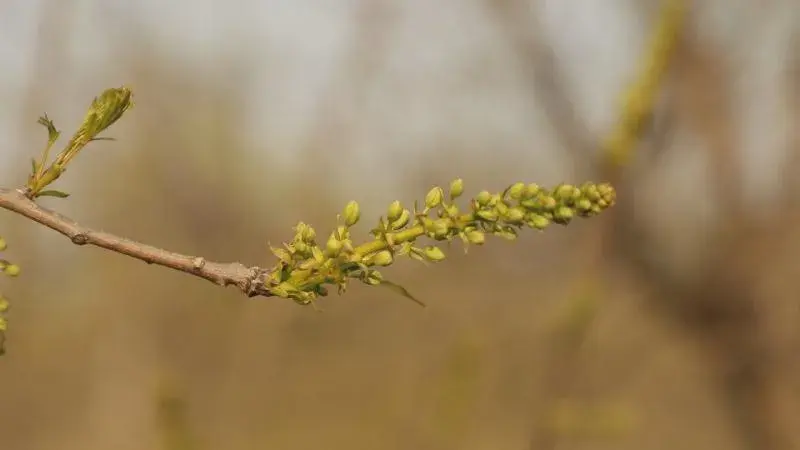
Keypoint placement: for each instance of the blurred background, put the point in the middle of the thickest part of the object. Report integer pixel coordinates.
(669, 322)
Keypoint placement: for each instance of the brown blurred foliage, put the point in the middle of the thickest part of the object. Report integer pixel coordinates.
(662, 327)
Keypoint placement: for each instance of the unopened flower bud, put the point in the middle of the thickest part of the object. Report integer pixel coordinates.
(515, 215)
(352, 213)
(516, 190)
(434, 197)
(434, 254)
(12, 270)
(402, 221)
(333, 247)
(382, 258)
(395, 210)
(476, 237)
(456, 188)
(483, 198)
(563, 214)
(538, 221)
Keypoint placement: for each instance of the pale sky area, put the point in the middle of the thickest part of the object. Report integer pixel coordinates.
(429, 41)
(431, 45)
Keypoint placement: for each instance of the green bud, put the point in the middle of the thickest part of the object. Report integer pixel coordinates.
(3, 244)
(515, 215)
(103, 112)
(402, 221)
(516, 190)
(373, 278)
(538, 221)
(434, 197)
(304, 232)
(395, 210)
(3, 305)
(110, 106)
(607, 192)
(507, 233)
(591, 193)
(489, 215)
(531, 190)
(456, 188)
(351, 214)
(434, 254)
(483, 198)
(583, 205)
(475, 237)
(563, 192)
(547, 202)
(382, 258)
(12, 270)
(301, 247)
(441, 228)
(333, 247)
(501, 208)
(563, 214)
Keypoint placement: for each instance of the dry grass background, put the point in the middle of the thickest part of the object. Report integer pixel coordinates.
(688, 341)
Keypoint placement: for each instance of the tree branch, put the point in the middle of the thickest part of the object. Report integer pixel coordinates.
(250, 280)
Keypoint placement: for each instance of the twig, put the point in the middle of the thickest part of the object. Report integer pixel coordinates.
(250, 280)
(539, 63)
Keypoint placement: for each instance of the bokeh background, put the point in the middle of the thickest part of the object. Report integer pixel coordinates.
(671, 322)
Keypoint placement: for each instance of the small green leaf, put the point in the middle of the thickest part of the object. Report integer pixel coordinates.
(52, 132)
(53, 193)
(402, 291)
(282, 254)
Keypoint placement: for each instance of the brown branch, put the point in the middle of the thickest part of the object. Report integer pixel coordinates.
(250, 280)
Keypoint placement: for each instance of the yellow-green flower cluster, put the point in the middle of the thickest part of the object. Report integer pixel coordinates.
(11, 270)
(304, 267)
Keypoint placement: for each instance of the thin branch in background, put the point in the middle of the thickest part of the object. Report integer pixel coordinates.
(537, 60)
(715, 307)
(791, 190)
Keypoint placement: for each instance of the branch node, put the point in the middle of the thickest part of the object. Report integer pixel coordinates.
(254, 281)
(198, 263)
(80, 239)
